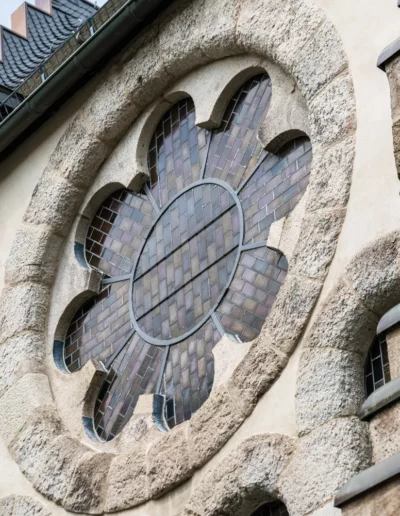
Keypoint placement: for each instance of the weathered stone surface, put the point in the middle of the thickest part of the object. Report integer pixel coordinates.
(327, 510)
(375, 274)
(254, 375)
(79, 154)
(20, 355)
(383, 500)
(212, 425)
(277, 30)
(218, 40)
(291, 312)
(324, 460)
(22, 308)
(182, 23)
(392, 70)
(44, 455)
(384, 431)
(333, 112)
(18, 505)
(244, 479)
(330, 179)
(329, 385)
(344, 322)
(317, 243)
(127, 480)
(227, 355)
(33, 256)
(21, 401)
(52, 472)
(54, 202)
(320, 60)
(88, 485)
(165, 469)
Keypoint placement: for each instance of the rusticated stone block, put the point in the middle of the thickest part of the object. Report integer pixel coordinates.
(22, 308)
(317, 243)
(323, 461)
(79, 154)
(239, 483)
(212, 425)
(182, 23)
(343, 322)
(52, 472)
(54, 202)
(324, 47)
(333, 112)
(329, 385)
(44, 455)
(21, 401)
(33, 256)
(127, 480)
(392, 70)
(384, 431)
(88, 485)
(375, 274)
(20, 355)
(18, 505)
(169, 462)
(254, 375)
(291, 312)
(330, 180)
(218, 40)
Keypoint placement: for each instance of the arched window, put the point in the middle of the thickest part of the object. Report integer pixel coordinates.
(276, 508)
(186, 259)
(377, 371)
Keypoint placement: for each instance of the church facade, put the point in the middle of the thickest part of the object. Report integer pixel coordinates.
(199, 260)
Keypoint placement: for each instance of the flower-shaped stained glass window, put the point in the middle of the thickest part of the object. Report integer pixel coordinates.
(185, 260)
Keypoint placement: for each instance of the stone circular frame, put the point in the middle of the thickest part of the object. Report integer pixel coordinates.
(298, 43)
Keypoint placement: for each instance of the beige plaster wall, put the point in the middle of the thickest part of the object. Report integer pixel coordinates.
(366, 27)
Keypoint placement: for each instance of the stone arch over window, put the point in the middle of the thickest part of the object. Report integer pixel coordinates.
(186, 259)
(155, 62)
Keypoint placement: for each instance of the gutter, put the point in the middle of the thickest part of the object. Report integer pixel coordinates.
(130, 17)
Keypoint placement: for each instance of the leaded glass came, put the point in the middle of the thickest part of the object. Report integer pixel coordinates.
(185, 260)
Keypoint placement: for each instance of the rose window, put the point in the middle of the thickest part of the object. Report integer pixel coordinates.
(185, 260)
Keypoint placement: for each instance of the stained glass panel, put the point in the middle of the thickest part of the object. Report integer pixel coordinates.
(186, 260)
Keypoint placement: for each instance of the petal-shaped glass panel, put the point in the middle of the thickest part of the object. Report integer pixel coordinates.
(275, 188)
(235, 149)
(176, 152)
(252, 293)
(189, 374)
(117, 232)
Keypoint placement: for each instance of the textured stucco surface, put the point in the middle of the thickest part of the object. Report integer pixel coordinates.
(374, 179)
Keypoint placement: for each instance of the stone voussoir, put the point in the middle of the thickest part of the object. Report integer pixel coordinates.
(19, 403)
(23, 307)
(79, 154)
(165, 469)
(330, 180)
(127, 480)
(87, 488)
(22, 354)
(329, 385)
(343, 322)
(54, 202)
(375, 274)
(323, 461)
(325, 47)
(34, 255)
(291, 312)
(212, 425)
(19, 505)
(317, 243)
(332, 113)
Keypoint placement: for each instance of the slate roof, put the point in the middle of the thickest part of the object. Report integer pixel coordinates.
(45, 33)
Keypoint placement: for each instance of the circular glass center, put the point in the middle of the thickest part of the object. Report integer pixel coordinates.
(186, 262)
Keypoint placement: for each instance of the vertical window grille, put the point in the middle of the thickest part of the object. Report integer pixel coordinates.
(271, 509)
(377, 371)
